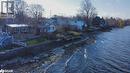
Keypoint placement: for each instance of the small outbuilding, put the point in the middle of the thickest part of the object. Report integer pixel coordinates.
(19, 28)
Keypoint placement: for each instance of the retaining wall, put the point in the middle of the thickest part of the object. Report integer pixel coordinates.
(33, 50)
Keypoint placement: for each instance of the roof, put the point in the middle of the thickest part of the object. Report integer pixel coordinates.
(17, 25)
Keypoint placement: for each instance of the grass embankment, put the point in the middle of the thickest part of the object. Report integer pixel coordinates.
(43, 39)
(74, 33)
(36, 41)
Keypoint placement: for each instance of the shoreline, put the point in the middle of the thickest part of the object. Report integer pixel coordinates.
(30, 63)
(68, 48)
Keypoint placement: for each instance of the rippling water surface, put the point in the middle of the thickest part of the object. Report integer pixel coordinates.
(109, 54)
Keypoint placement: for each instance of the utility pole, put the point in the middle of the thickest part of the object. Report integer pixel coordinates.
(7, 15)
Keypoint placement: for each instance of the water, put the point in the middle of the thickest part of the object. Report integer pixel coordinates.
(109, 54)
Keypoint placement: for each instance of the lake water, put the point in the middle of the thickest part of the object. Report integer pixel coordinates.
(109, 54)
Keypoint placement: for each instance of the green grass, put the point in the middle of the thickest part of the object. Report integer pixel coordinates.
(74, 33)
(36, 41)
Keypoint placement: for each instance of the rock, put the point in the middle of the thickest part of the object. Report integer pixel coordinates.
(46, 55)
(44, 65)
(2, 65)
(58, 51)
(32, 61)
(24, 61)
(36, 58)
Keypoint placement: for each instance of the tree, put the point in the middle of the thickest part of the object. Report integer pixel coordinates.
(112, 22)
(127, 22)
(96, 21)
(20, 8)
(121, 23)
(88, 11)
(35, 12)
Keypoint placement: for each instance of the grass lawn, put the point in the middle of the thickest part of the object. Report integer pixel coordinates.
(36, 41)
(74, 33)
(43, 39)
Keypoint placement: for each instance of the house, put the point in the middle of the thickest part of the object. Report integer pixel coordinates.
(60, 20)
(77, 23)
(59, 23)
(70, 22)
(19, 28)
(48, 26)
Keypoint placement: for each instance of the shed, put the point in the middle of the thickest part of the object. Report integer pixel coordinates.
(19, 28)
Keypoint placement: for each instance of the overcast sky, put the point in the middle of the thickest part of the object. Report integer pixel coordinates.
(59, 7)
(115, 8)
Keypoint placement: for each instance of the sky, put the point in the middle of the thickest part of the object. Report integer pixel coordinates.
(105, 8)
(59, 7)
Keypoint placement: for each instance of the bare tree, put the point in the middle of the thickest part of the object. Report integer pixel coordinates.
(20, 8)
(35, 11)
(88, 12)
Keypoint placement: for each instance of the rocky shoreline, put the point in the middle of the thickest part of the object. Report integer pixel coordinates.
(44, 59)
